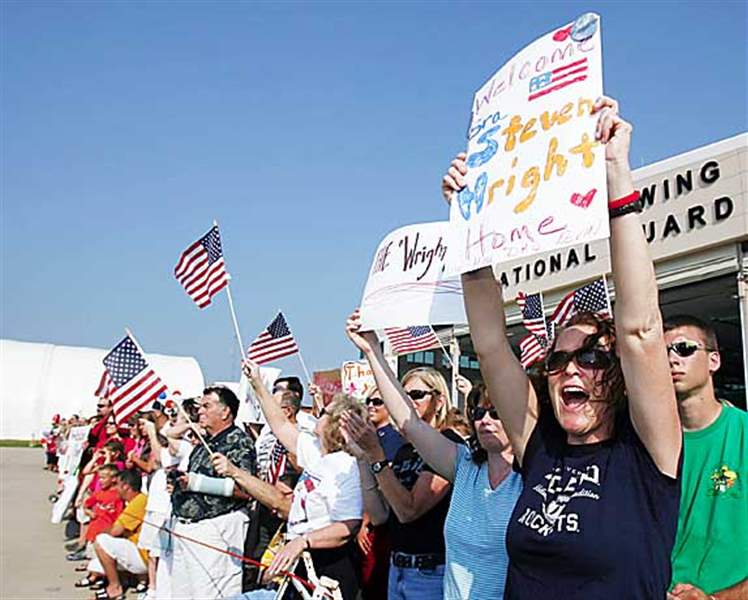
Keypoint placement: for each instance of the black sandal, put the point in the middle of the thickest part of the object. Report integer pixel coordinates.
(85, 582)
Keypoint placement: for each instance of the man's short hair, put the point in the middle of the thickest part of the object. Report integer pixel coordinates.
(131, 478)
(678, 321)
(225, 397)
(293, 384)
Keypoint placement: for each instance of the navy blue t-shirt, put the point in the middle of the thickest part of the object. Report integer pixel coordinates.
(594, 521)
(390, 440)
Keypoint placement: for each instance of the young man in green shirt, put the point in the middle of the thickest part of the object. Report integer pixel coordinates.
(710, 556)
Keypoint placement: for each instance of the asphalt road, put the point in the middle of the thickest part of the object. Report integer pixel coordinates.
(32, 556)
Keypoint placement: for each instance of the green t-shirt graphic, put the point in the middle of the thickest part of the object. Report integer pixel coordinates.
(711, 546)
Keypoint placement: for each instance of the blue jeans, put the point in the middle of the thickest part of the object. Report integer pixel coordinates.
(415, 584)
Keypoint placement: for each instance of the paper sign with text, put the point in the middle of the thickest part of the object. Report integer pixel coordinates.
(407, 284)
(536, 174)
(357, 378)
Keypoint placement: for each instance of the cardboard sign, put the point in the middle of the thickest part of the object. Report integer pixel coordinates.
(329, 382)
(536, 178)
(357, 378)
(407, 284)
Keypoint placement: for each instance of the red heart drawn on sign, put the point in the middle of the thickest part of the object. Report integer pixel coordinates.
(562, 34)
(583, 201)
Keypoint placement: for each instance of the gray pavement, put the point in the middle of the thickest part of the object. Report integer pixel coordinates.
(32, 557)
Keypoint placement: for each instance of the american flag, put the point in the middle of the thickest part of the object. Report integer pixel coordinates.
(558, 78)
(592, 297)
(201, 269)
(277, 463)
(105, 387)
(532, 313)
(405, 340)
(273, 343)
(532, 349)
(134, 384)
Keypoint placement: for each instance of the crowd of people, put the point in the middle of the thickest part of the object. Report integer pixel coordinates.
(612, 470)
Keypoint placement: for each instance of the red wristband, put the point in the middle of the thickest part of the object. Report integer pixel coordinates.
(624, 200)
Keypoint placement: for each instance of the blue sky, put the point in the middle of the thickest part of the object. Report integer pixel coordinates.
(308, 130)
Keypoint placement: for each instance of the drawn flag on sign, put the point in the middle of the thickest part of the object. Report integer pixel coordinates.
(273, 343)
(557, 79)
(405, 340)
(592, 297)
(532, 313)
(532, 348)
(134, 383)
(201, 269)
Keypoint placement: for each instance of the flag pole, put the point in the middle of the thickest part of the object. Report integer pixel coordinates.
(231, 308)
(607, 295)
(303, 366)
(233, 318)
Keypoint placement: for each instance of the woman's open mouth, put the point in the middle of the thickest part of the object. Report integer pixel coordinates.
(574, 396)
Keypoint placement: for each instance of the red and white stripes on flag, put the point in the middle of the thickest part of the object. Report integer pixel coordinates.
(592, 297)
(201, 269)
(532, 349)
(105, 387)
(405, 340)
(134, 385)
(273, 343)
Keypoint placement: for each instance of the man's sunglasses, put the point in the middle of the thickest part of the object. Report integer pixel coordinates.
(686, 348)
(374, 402)
(418, 394)
(586, 358)
(479, 412)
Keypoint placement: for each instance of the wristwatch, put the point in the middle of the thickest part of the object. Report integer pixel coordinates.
(377, 467)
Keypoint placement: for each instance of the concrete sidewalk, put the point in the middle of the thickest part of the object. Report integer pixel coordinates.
(32, 556)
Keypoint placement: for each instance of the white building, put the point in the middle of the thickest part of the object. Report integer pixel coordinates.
(38, 381)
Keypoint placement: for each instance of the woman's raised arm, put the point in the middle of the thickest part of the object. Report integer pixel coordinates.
(639, 335)
(439, 452)
(508, 386)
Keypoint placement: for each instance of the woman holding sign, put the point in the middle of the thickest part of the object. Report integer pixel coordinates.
(599, 447)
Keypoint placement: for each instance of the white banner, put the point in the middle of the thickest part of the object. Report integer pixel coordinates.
(357, 378)
(407, 283)
(536, 178)
(74, 447)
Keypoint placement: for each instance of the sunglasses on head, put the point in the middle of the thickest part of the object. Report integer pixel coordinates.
(418, 394)
(374, 402)
(479, 412)
(686, 348)
(586, 358)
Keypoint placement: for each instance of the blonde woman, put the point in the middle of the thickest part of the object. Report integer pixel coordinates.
(326, 508)
(406, 492)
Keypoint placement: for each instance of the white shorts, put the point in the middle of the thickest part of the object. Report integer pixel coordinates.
(123, 551)
(150, 533)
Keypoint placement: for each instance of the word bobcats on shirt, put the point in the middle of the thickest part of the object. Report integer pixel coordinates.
(564, 484)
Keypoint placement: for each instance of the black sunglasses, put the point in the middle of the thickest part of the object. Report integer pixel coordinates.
(418, 394)
(587, 358)
(687, 348)
(479, 412)
(374, 402)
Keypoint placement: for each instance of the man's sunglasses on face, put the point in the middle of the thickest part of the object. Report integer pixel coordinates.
(686, 348)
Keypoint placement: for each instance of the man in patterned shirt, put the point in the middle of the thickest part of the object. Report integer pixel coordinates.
(208, 509)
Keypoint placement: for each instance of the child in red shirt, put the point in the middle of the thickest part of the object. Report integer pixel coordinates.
(104, 505)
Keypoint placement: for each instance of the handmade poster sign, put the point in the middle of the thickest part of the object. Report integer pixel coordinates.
(357, 378)
(407, 284)
(536, 178)
(329, 382)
